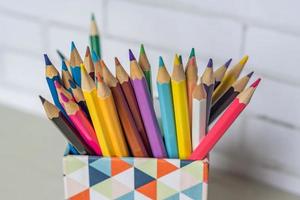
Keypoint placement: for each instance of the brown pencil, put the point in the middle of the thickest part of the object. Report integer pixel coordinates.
(88, 63)
(131, 132)
(62, 123)
(127, 89)
(228, 97)
(220, 72)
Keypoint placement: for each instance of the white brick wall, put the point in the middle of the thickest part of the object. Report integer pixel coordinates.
(262, 144)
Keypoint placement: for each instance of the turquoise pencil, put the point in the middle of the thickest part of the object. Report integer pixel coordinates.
(75, 62)
(166, 108)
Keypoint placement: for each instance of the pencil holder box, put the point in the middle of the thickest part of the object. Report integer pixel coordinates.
(101, 178)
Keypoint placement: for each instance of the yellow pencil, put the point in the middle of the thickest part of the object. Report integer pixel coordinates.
(230, 77)
(90, 94)
(178, 81)
(111, 119)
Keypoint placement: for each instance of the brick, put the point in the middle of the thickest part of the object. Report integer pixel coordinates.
(277, 101)
(73, 12)
(274, 54)
(15, 33)
(272, 146)
(177, 31)
(24, 72)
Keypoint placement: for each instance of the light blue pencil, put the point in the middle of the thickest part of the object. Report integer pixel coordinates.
(75, 61)
(166, 108)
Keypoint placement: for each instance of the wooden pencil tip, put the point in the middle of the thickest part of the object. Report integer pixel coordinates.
(102, 64)
(73, 46)
(180, 59)
(228, 63)
(87, 52)
(64, 66)
(131, 56)
(117, 62)
(47, 60)
(176, 60)
(60, 54)
(72, 84)
(250, 74)
(244, 60)
(93, 17)
(42, 99)
(161, 62)
(95, 57)
(99, 78)
(142, 49)
(192, 54)
(210, 63)
(255, 84)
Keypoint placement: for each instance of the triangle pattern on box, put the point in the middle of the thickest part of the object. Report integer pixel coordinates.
(164, 167)
(96, 176)
(195, 169)
(118, 166)
(164, 191)
(140, 196)
(128, 196)
(175, 162)
(172, 180)
(103, 165)
(119, 189)
(185, 162)
(94, 195)
(149, 167)
(194, 192)
(187, 180)
(104, 188)
(72, 164)
(130, 161)
(173, 197)
(73, 187)
(126, 178)
(141, 178)
(81, 176)
(184, 197)
(84, 195)
(149, 189)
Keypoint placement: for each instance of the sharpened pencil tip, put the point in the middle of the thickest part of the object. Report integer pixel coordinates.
(210, 63)
(95, 57)
(42, 99)
(47, 60)
(180, 59)
(60, 54)
(131, 56)
(192, 54)
(255, 84)
(250, 74)
(117, 62)
(93, 17)
(244, 60)
(161, 62)
(176, 60)
(142, 49)
(228, 63)
(64, 66)
(72, 84)
(73, 46)
(87, 52)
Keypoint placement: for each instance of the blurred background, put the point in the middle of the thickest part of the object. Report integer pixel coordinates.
(259, 156)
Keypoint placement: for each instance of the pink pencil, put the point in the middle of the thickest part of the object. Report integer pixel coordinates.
(146, 108)
(78, 118)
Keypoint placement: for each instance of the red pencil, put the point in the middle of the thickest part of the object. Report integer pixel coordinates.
(224, 122)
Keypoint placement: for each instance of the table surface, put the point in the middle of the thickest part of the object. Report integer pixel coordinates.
(31, 166)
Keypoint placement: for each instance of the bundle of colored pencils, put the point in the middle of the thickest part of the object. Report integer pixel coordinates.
(106, 115)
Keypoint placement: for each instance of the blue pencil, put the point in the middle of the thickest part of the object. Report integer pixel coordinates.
(166, 108)
(75, 61)
(52, 75)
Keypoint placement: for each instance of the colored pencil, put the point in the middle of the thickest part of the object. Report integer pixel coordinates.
(146, 108)
(88, 63)
(128, 91)
(224, 122)
(145, 66)
(191, 72)
(78, 118)
(64, 58)
(111, 119)
(70, 133)
(220, 72)
(179, 93)
(97, 66)
(66, 76)
(208, 82)
(229, 78)
(199, 125)
(95, 41)
(228, 97)
(131, 132)
(75, 62)
(166, 108)
(89, 90)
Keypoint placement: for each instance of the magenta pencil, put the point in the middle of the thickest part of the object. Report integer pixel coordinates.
(146, 108)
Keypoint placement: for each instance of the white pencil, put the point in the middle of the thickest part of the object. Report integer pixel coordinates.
(199, 125)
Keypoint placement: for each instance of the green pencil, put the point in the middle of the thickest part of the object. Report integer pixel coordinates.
(95, 41)
(145, 65)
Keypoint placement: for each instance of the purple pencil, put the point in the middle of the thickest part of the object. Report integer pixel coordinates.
(146, 108)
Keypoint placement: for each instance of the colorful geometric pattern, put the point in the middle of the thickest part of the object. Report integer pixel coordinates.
(97, 178)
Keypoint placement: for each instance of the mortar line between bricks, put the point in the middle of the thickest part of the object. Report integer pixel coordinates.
(213, 14)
